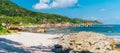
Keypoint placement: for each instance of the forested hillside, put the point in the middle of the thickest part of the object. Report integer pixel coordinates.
(14, 14)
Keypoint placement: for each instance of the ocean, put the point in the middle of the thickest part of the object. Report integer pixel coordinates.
(109, 30)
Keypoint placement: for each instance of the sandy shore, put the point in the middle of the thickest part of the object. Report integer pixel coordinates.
(32, 39)
(27, 40)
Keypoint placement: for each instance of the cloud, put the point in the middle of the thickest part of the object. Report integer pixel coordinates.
(91, 18)
(117, 17)
(48, 4)
(103, 9)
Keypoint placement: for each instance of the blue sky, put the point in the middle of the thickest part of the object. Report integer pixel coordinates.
(107, 11)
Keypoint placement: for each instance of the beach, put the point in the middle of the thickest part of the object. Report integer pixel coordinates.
(27, 41)
(59, 26)
(31, 42)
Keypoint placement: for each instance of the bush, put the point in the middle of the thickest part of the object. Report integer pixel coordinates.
(3, 30)
(1, 27)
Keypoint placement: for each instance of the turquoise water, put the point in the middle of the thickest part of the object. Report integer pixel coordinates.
(104, 29)
(110, 30)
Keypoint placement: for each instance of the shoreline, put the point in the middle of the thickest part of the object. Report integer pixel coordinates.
(34, 42)
(115, 37)
(34, 38)
(14, 35)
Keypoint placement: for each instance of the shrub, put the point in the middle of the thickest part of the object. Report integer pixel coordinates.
(3, 30)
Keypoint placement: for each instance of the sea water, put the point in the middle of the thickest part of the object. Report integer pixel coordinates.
(109, 30)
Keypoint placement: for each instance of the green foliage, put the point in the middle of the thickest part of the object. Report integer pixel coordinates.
(1, 27)
(3, 31)
(14, 14)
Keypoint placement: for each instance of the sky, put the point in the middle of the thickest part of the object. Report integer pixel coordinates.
(106, 11)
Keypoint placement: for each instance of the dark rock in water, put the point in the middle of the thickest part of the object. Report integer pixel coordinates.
(58, 46)
(118, 45)
(59, 49)
(72, 51)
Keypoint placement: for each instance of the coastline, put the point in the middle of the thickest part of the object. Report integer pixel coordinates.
(115, 37)
(33, 42)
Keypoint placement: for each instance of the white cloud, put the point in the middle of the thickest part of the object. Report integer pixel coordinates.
(91, 18)
(46, 4)
(117, 17)
(42, 4)
(103, 9)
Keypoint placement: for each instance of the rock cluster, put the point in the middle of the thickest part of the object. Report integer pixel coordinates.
(89, 41)
(49, 25)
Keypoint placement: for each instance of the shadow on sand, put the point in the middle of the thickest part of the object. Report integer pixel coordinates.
(58, 49)
(8, 46)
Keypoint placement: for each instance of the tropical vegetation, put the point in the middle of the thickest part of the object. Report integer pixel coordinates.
(3, 30)
(14, 14)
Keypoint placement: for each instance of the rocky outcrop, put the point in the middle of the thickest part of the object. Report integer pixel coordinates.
(41, 30)
(48, 25)
(89, 41)
(18, 28)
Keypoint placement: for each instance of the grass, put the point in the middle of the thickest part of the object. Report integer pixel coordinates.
(4, 31)
(13, 31)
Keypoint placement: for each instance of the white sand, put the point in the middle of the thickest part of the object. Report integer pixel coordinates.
(115, 37)
(32, 39)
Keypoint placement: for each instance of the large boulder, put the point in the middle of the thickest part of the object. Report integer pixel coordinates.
(89, 41)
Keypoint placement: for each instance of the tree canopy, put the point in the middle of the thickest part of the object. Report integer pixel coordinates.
(14, 14)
